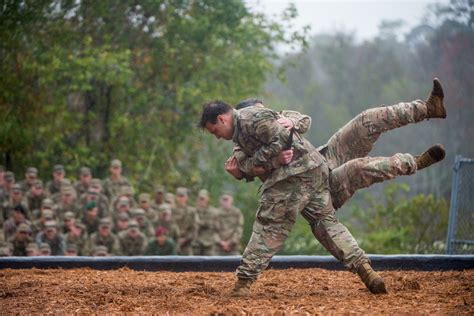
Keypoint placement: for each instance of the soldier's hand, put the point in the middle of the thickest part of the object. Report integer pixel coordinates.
(259, 171)
(285, 157)
(232, 167)
(285, 122)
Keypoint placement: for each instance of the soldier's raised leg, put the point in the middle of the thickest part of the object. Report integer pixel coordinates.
(356, 138)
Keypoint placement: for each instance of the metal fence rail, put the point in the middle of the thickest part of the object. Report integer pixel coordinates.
(460, 239)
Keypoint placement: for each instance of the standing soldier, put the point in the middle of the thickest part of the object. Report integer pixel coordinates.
(104, 237)
(113, 184)
(230, 227)
(9, 181)
(205, 242)
(91, 217)
(132, 241)
(35, 196)
(85, 178)
(187, 220)
(54, 186)
(159, 198)
(30, 176)
(16, 198)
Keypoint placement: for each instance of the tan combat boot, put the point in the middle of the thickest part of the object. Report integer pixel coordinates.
(371, 279)
(435, 103)
(241, 288)
(433, 155)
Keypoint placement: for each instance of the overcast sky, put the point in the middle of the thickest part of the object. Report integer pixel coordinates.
(363, 17)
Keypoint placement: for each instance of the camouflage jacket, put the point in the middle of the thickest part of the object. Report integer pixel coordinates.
(132, 246)
(187, 220)
(262, 138)
(230, 225)
(207, 228)
(111, 242)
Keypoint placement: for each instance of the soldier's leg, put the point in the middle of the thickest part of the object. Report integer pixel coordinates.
(356, 138)
(335, 237)
(360, 173)
(279, 207)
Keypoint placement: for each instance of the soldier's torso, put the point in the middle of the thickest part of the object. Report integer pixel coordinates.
(207, 225)
(229, 222)
(132, 246)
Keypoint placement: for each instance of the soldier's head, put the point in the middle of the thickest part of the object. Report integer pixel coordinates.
(69, 219)
(92, 210)
(92, 194)
(170, 199)
(31, 175)
(9, 178)
(71, 250)
(165, 213)
(138, 214)
(161, 234)
(37, 188)
(68, 194)
(182, 196)
(58, 173)
(85, 176)
(159, 194)
(32, 249)
(123, 204)
(96, 185)
(44, 249)
(50, 230)
(144, 201)
(22, 232)
(133, 229)
(217, 119)
(226, 200)
(249, 102)
(16, 193)
(100, 251)
(122, 221)
(46, 215)
(105, 227)
(203, 198)
(47, 204)
(115, 167)
(19, 213)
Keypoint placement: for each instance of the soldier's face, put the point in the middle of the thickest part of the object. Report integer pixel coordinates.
(223, 128)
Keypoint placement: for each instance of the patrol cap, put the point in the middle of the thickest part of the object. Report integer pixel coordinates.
(71, 247)
(38, 183)
(58, 168)
(100, 251)
(123, 200)
(32, 247)
(23, 228)
(90, 205)
(138, 212)
(105, 222)
(67, 189)
(47, 214)
(9, 176)
(50, 224)
(44, 246)
(132, 224)
(169, 198)
(182, 191)
(123, 216)
(203, 193)
(32, 171)
(47, 203)
(144, 197)
(85, 171)
(16, 188)
(69, 215)
(159, 188)
(96, 183)
(164, 208)
(116, 163)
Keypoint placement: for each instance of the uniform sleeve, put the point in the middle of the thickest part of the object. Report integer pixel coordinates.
(237, 235)
(301, 122)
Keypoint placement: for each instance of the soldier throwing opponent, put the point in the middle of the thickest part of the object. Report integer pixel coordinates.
(300, 184)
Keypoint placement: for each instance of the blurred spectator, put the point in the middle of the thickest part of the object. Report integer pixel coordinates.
(51, 237)
(121, 223)
(75, 233)
(104, 237)
(34, 197)
(161, 245)
(100, 251)
(93, 195)
(159, 197)
(5, 251)
(187, 220)
(85, 177)
(122, 206)
(30, 176)
(44, 249)
(144, 224)
(39, 224)
(166, 220)
(18, 217)
(9, 181)
(206, 239)
(16, 198)
(114, 183)
(144, 202)
(170, 199)
(230, 227)
(67, 202)
(54, 186)
(32, 249)
(132, 241)
(71, 250)
(20, 240)
(91, 219)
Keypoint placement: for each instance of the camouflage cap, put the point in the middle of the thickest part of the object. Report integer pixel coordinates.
(105, 222)
(38, 183)
(47, 214)
(58, 168)
(5, 251)
(203, 193)
(132, 224)
(23, 228)
(44, 246)
(123, 216)
(17, 188)
(96, 183)
(69, 215)
(165, 207)
(169, 198)
(116, 163)
(9, 176)
(85, 171)
(32, 246)
(67, 189)
(50, 224)
(159, 188)
(138, 212)
(182, 191)
(71, 247)
(47, 203)
(144, 197)
(32, 170)
(123, 200)
(100, 251)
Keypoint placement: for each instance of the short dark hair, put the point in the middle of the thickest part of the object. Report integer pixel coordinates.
(247, 102)
(211, 110)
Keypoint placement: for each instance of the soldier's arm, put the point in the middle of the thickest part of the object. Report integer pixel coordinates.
(301, 122)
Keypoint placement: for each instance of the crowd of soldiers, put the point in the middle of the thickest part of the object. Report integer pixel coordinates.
(93, 217)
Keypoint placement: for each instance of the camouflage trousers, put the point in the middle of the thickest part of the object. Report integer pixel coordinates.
(280, 205)
(347, 149)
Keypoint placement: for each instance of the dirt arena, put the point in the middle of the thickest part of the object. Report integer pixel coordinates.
(309, 291)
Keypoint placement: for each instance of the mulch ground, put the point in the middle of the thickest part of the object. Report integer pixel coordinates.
(280, 292)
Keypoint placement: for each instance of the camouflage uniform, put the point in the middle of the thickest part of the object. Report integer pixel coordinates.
(17, 245)
(111, 242)
(206, 239)
(300, 186)
(132, 246)
(229, 229)
(112, 188)
(187, 220)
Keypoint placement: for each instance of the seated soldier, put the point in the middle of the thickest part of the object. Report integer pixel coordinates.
(132, 241)
(104, 237)
(51, 237)
(35, 196)
(20, 241)
(71, 250)
(121, 223)
(166, 220)
(161, 245)
(229, 227)
(91, 219)
(100, 251)
(32, 249)
(44, 249)
(18, 217)
(74, 233)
